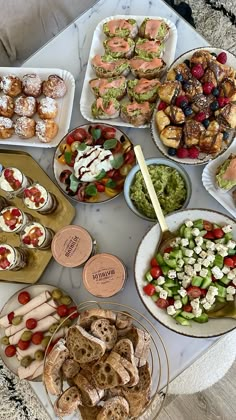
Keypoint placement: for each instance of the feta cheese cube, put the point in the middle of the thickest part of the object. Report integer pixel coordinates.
(229, 297)
(195, 232)
(200, 260)
(211, 258)
(180, 275)
(203, 272)
(227, 228)
(195, 304)
(206, 262)
(210, 299)
(188, 252)
(197, 267)
(210, 245)
(188, 223)
(178, 304)
(184, 241)
(207, 306)
(197, 312)
(198, 249)
(230, 290)
(203, 254)
(186, 281)
(158, 289)
(213, 290)
(171, 310)
(203, 301)
(234, 281)
(172, 274)
(231, 275)
(178, 240)
(166, 255)
(199, 240)
(180, 263)
(160, 280)
(223, 252)
(231, 244)
(191, 260)
(182, 292)
(234, 271)
(225, 269)
(163, 294)
(189, 270)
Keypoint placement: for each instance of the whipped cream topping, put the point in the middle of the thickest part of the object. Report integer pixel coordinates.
(30, 230)
(91, 161)
(4, 184)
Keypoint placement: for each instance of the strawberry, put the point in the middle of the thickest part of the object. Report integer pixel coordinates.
(201, 116)
(26, 240)
(221, 101)
(222, 57)
(2, 250)
(207, 88)
(17, 184)
(4, 263)
(193, 152)
(16, 212)
(182, 153)
(197, 71)
(8, 173)
(162, 105)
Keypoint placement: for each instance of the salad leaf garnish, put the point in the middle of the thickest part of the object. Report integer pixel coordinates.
(74, 183)
(110, 144)
(68, 156)
(101, 175)
(117, 162)
(111, 183)
(96, 133)
(91, 190)
(81, 147)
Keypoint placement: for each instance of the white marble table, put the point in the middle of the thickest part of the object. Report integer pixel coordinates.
(115, 227)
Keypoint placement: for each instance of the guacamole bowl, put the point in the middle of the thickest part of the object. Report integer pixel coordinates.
(171, 182)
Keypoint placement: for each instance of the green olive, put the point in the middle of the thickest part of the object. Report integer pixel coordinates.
(65, 300)
(39, 355)
(65, 322)
(53, 327)
(56, 294)
(45, 341)
(5, 340)
(26, 336)
(17, 320)
(26, 361)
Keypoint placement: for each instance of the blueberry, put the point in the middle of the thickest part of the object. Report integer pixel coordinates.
(214, 54)
(188, 111)
(214, 106)
(171, 151)
(215, 92)
(206, 123)
(183, 104)
(186, 85)
(187, 62)
(179, 77)
(225, 135)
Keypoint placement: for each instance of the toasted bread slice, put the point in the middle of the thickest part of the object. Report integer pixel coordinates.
(89, 413)
(84, 347)
(141, 343)
(115, 408)
(88, 391)
(139, 395)
(102, 329)
(70, 368)
(87, 317)
(125, 349)
(110, 373)
(123, 320)
(52, 371)
(68, 402)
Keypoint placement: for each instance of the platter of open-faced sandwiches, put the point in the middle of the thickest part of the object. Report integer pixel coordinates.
(128, 56)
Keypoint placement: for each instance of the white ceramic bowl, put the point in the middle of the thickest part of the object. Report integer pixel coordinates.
(203, 158)
(146, 251)
(154, 161)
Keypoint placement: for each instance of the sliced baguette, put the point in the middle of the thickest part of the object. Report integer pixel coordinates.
(123, 320)
(102, 329)
(84, 347)
(89, 394)
(125, 349)
(52, 371)
(87, 317)
(68, 402)
(70, 368)
(115, 408)
(141, 344)
(110, 373)
(89, 413)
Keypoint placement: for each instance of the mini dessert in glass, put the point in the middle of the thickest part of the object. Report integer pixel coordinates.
(36, 197)
(36, 236)
(3, 203)
(13, 219)
(12, 258)
(13, 181)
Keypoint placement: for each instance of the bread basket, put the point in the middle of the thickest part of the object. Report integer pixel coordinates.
(157, 358)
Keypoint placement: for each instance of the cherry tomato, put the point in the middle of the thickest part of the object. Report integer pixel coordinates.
(207, 225)
(203, 292)
(62, 310)
(100, 187)
(209, 235)
(218, 233)
(156, 272)
(71, 310)
(108, 133)
(10, 317)
(31, 323)
(154, 262)
(149, 289)
(80, 134)
(194, 292)
(162, 303)
(10, 351)
(229, 262)
(187, 308)
(23, 298)
(70, 139)
(118, 148)
(23, 345)
(37, 337)
(168, 250)
(129, 157)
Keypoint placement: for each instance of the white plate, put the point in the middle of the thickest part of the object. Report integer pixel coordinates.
(203, 158)
(87, 97)
(145, 253)
(65, 105)
(11, 362)
(208, 179)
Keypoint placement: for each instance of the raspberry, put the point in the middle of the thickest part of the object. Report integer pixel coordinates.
(207, 88)
(26, 240)
(201, 116)
(193, 152)
(222, 57)
(16, 212)
(182, 153)
(197, 71)
(181, 99)
(162, 105)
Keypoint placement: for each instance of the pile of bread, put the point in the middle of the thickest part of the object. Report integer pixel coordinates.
(103, 359)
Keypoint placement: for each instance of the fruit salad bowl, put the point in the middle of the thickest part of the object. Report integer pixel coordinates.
(195, 117)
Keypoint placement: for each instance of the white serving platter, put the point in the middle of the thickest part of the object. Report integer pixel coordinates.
(87, 97)
(65, 105)
(208, 179)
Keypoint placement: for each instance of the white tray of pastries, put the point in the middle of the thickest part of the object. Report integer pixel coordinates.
(35, 105)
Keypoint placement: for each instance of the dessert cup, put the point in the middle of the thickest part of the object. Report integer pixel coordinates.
(36, 236)
(13, 182)
(38, 198)
(12, 258)
(12, 219)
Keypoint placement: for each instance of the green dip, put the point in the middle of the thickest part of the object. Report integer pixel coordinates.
(169, 186)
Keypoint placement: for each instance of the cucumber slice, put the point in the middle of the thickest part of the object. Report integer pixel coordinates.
(215, 226)
(220, 299)
(231, 251)
(177, 297)
(228, 236)
(170, 283)
(221, 290)
(220, 241)
(171, 262)
(169, 291)
(202, 318)
(188, 233)
(204, 246)
(182, 320)
(203, 232)
(176, 253)
(160, 259)
(165, 269)
(206, 282)
(177, 313)
(187, 315)
(175, 290)
(219, 261)
(185, 300)
(155, 297)
(197, 281)
(191, 244)
(148, 276)
(225, 280)
(181, 230)
(198, 224)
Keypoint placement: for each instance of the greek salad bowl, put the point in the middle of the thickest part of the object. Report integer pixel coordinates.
(194, 120)
(92, 161)
(171, 182)
(196, 274)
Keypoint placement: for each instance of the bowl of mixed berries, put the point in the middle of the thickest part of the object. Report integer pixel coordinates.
(195, 117)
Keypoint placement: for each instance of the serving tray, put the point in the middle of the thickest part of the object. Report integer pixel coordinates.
(87, 97)
(62, 216)
(65, 105)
